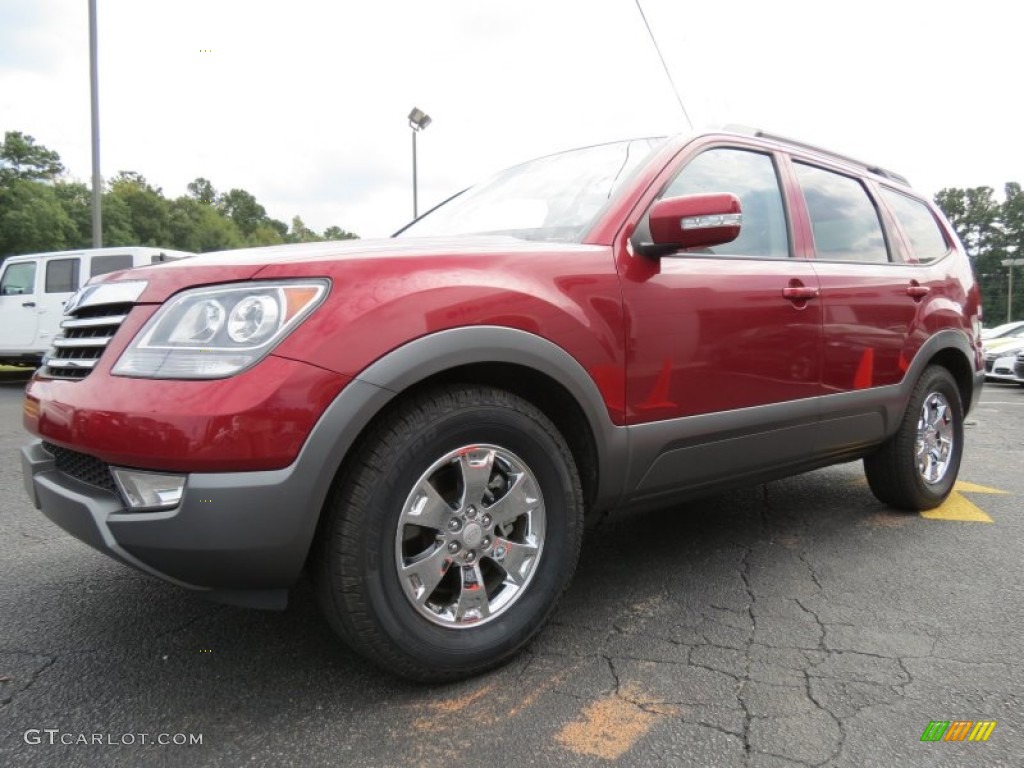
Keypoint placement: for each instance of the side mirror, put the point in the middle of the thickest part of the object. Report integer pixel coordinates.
(693, 221)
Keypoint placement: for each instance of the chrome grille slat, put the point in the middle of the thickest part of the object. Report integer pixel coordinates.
(89, 364)
(87, 330)
(94, 322)
(66, 343)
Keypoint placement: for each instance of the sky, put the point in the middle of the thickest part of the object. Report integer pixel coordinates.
(304, 103)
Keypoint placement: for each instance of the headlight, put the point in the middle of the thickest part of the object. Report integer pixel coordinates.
(210, 333)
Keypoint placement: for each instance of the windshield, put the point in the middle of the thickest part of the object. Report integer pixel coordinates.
(554, 198)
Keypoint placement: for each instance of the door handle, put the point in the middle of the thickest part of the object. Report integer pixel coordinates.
(917, 291)
(28, 303)
(800, 292)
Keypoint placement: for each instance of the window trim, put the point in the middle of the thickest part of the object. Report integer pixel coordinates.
(910, 255)
(895, 252)
(679, 164)
(100, 257)
(8, 266)
(76, 272)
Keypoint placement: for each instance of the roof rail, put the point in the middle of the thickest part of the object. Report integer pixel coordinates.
(876, 169)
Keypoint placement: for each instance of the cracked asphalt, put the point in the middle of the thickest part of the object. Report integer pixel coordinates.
(797, 623)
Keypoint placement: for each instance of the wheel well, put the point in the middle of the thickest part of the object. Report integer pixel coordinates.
(542, 391)
(954, 361)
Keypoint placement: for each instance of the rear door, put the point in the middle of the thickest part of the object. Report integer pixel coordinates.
(866, 288)
(18, 306)
(60, 278)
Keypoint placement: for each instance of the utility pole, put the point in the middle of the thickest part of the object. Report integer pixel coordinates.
(97, 180)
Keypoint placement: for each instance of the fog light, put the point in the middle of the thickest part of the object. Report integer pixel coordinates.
(149, 490)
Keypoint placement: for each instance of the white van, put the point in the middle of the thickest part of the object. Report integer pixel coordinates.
(34, 288)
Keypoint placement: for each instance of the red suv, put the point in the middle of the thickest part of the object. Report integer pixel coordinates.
(426, 421)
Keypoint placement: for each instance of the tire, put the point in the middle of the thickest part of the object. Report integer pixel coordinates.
(916, 468)
(470, 482)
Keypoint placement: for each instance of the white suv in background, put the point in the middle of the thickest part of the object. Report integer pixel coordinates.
(35, 287)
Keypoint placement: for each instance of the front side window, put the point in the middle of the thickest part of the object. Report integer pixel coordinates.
(919, 225)
(844, 220)
(18, 279)
(62, 276)
(751, 177)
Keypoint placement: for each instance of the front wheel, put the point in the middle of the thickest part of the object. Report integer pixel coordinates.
(916, 468)
(452, 533)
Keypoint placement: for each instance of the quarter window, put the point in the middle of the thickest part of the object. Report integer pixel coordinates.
(62, 275)
(843, 218)
(101, 265)
(918, 225)
(751, 177)
(19, 279)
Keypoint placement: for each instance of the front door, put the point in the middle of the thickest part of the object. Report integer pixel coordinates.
(729, 327)
(19, 309)
(723, 344)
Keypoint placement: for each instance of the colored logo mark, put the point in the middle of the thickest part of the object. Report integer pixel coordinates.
(958, 730)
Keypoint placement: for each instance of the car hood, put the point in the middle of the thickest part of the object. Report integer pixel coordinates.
(247, 263)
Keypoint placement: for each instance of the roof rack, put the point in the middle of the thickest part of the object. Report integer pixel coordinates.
(876, 169)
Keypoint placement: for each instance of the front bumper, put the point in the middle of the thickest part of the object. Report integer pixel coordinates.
(236, 537)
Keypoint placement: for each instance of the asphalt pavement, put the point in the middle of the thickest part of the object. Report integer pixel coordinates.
(790, 624)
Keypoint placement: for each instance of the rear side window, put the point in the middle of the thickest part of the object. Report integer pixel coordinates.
(101, 265)
(751, 177)
(844, 220)
(18, 279)
(919, 225)
(62, 276)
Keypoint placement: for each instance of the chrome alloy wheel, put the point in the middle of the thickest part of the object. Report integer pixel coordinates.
(933, 447)
(470, 536)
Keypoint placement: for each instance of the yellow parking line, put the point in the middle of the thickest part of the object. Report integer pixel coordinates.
(958, 507)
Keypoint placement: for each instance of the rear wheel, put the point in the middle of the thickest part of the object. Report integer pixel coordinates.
(452, 534)
(916, 468)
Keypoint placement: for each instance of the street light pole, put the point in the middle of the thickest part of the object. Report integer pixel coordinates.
(97, 180)
(1010, 264)
(415, 203)
(418, 121)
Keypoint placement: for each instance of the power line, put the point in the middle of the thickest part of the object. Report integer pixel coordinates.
(667, 73)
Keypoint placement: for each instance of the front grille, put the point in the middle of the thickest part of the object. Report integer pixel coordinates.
(86, 333)
(82, 467)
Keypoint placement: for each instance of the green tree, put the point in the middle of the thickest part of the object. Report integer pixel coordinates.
(1013, 242)
(267, 234)
(197, 226)
(76, 200)
(242, 208)
(22, 158)
(40, 211)
(202, 190)
(975, 215)
(337, 233)
(300, 233)
(148, 210)
(977, 218)
(32, 219)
